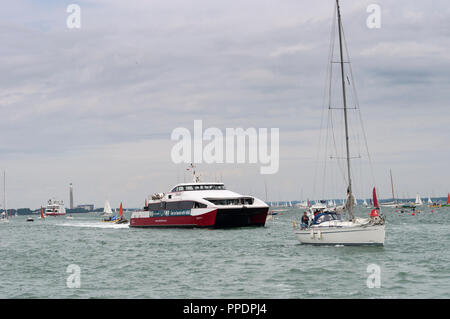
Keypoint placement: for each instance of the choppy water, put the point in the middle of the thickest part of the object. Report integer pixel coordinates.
(120, 262)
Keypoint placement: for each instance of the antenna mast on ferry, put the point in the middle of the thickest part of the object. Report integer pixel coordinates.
(196, 178)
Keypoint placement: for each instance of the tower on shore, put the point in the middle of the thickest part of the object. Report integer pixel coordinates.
(71, 196)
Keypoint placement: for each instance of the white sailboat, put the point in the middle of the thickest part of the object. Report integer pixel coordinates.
(394, 202)
(4, 215)
(328, 227)
(107, 211)
(418, 201)
(4, 218)
(304, 204)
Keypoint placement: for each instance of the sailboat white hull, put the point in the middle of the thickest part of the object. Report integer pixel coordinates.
(358, 235)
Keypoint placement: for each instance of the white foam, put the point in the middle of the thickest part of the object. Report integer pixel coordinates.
(94, 225)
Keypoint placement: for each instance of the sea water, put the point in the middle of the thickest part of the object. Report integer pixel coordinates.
(114, 261)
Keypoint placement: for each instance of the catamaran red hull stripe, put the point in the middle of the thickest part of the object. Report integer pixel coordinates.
(217, 218)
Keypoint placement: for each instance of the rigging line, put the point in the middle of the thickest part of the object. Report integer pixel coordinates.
(328, 75)
(331, 57)
(325, 160)
(359, 112)
(341, 168)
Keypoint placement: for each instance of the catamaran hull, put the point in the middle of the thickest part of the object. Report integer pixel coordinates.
(369, 235)
(210, 218)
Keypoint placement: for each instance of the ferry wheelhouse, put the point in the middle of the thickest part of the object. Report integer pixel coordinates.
(200, 204)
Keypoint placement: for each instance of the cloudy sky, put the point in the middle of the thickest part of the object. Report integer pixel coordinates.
(96, 106)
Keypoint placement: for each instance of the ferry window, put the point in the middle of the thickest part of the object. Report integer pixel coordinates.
(185, 205)
(188, 188)
(153, 206)
(172, 205)
(199, 205)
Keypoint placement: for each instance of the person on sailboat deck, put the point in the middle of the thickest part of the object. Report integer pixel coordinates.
(305, 220)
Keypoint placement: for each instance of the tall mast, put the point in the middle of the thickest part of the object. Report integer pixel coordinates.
(350, 201)
(392, 185)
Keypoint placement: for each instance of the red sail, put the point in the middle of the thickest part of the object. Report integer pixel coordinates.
(375, 200)
(120, 210)
(448, 199)
(42, 213)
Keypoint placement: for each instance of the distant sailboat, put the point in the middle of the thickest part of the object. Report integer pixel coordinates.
(108, 213)
(4, 216)
(418, 200)
(42, 214)
(107, 209)
(448, 201)
(304, 204)
(121, 219)
(439, 205)
(394, 202)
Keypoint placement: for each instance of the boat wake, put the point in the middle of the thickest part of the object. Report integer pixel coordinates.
(95, 225)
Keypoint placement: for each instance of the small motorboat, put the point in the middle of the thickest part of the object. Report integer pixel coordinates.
(69, 217)
(30, 219)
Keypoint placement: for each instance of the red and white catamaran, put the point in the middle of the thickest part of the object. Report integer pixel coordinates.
(199, 204)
